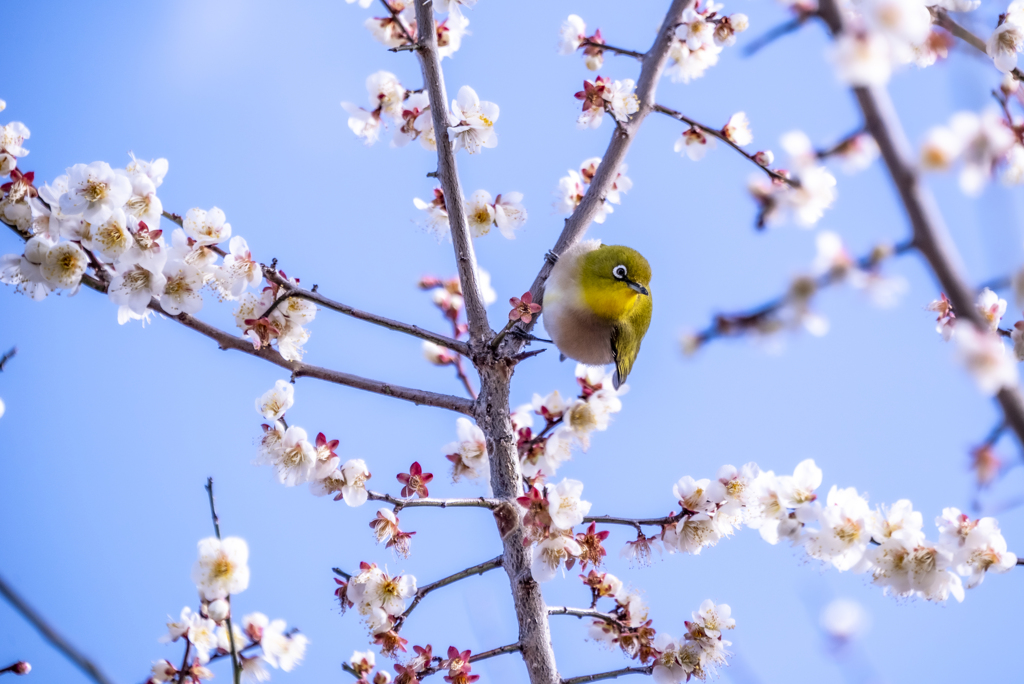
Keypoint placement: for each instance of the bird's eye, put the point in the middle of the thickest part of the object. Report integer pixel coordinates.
(619, 272)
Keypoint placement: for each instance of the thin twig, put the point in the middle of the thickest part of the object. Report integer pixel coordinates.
(14, 667)
(401, 24)
(399, 504)
(422, 592)
(235, 667)
(448, 175)
(776, 32)
(942, 18)
(583, 613)
(7, 357)
(840, 146)
(50, 634)
(774, 175)
(726, 325)
(931, 237)
(635, 522)
(611, 48)
(609, 675)
(293, 290)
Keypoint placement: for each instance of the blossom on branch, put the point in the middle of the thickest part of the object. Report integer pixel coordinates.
(471, 122)
(222, 568)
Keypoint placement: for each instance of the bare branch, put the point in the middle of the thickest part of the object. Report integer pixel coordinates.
(401, 24)
(83, 663)
(298, 369)
(235, 667)
(776, 32)
(293, 290)
(422, 592)
(942, 18)
(609, 675)
(399, 504)
(931, 236)
(611, 48)
(647, 85)
(465, 257)
(7, 357)
(584, 612)
(726, 325)
(635, 522)
(714, 133)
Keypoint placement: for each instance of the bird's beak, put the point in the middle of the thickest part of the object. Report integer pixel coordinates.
(637, 287)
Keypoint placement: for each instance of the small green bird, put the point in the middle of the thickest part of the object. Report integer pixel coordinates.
(597, 305)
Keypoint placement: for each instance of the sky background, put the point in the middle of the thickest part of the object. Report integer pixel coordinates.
(110, 431)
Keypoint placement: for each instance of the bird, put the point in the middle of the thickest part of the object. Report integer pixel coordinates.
(597, 305)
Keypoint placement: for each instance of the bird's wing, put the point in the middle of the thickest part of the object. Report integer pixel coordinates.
(626, 338)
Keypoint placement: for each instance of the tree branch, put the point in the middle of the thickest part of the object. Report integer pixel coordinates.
(293, 290)
(714, 133)
(299, 369)
(7, 357)
(584, 612)
(776, 32)
(931, 236)
(422, 592)
(399, 504)
(726, 325)
(635, 522)
(448, 174)
(942, 18)
(609, 675)
(622, 137)
(89, 668)
(612, 48)
(235, 667)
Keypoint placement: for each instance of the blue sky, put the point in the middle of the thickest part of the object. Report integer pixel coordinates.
(110, 432)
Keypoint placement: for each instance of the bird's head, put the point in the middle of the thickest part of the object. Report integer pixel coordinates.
(613, 277)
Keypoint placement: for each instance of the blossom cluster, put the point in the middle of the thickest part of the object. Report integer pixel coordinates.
(695, 141)
(697, 655)
(982, 144)
(605, 95)
(573, 187)
(882, 35)
(1008, 38)
(802, 201)
(296, 460)
(886, 542)
(221, 571)
(399, 27)
(700, 39)
(380, 598)
(981, 350)
(424, 663)
(483, 212)
(567, 422)
(407, 110)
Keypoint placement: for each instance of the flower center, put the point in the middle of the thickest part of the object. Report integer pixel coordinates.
(94, 191)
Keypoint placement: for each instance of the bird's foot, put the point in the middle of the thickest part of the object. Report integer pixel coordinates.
(523, 335)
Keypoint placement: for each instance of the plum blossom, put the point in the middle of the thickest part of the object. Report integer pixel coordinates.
(136, 287)
(550, 555)
(737, 130)
(239, 270)
(471, 122)
(509, 213)
(469, 454)
(95, 191)
(206, 227)
(986, 358)
(181, 292)
(63, 265)
(844, 536)
(991, 307)
(1006, 41)
(694, 143)
(565, 506)
(571, 35)
(275, 402)
(354, 476)
(222, 567)
(983, 550)
(437, 214)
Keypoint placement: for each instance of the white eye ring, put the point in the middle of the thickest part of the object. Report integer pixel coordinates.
(619, 271)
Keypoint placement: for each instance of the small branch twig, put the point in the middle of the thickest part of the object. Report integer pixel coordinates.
(7, 357)
(776, 32)
(609, 675)
(448, 174)
(774, 175)
(298, 369)
(401, 24)
(942, 18)
(293, 290)
(726, 325)
(611, 48)
(931, 236)
(15, 668)
(83, 663)
(399, 504)
(235, 666)
(422, 592)
(635, 522)
(584, 612)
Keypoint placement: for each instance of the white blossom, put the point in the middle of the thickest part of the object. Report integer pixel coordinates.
(986, 358)
(469, 453)
(354, 474)
(550, 555)
(222, 567)
(181, 292)
(95, 191)
(471, 122)
(480, 213)
(275, 402)
(207, 227)
(135, 287)
(571, 35)
(510, 214)
(565, 506)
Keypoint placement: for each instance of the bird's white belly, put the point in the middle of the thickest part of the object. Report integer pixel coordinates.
(578, 333)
